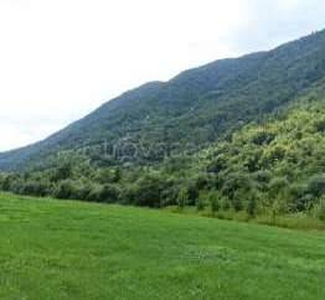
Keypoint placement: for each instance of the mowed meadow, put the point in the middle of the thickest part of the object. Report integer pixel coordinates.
(70, 250)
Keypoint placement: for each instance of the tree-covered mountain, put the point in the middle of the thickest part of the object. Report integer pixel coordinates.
(197, 107)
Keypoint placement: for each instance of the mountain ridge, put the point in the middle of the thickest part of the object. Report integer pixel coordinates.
(197, 106)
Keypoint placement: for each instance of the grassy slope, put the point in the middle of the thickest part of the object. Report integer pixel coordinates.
(70, 250)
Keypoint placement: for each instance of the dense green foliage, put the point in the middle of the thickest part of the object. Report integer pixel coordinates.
(72, 251)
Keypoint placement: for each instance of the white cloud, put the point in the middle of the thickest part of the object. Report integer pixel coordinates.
(61, 59)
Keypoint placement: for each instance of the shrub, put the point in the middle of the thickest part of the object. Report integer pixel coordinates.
(169, 194)
(320, 125)
(318, 211)
(34, 188)
(148, 191)
(316, 185)
(263, 176)
(65, 190)
(277, 186)
(200, 204)
(238, 188)
(251, 207)
(192, 193)
(182, 198)
(202, 182)
(83, 190)
(62, 172)
(276, 154)
(109, 194)
(103, 193)
(298, 198)
(237, 202)
(263, 138)
(108, 175)
(217, 165)
(213, 198)
(8, 181)
(225, 203)
(297, 191)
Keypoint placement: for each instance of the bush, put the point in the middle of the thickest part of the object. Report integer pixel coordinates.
(83, 191)
(263, 138)
(169, 194)
(320, 125)
(108, 175)
(148, 191)
(34, 188)
(182, 198)
(318, 211)
(109, 194)
(65, 190)
(213, 198)
(202, 182)
(300, 198)
(103, 193)
(237, 202)
(8, 181)
(316, 185)
(225, 204)
(62, 172)
(277, 186)
(200, 204)
(238, 188)
(193, 194)
(251, 207)
(236, 184)
(217, 165)
(263, 176)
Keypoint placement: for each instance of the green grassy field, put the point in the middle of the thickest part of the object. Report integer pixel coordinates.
(70, 250)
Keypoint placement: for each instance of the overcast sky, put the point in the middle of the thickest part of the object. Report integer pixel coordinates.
(60, 59)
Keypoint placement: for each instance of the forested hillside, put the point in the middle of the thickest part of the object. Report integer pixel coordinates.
(279, 164)
(198, 107)
(241, 135)
(272, 167)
